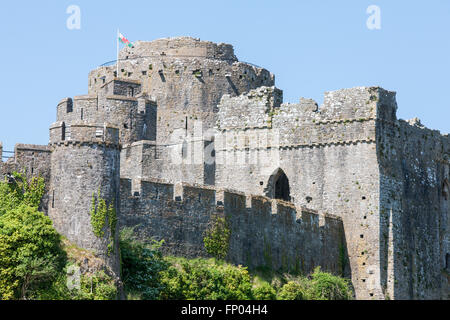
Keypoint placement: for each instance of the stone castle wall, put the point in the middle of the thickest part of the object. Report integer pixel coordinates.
(30, 160)
(84, 164)
(414, 209)
(332, 156)
(187, 78)
(264, 232)
(386, 181)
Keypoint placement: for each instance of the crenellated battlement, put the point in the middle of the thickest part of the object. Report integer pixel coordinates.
(158, 189)
(263, 108)
(83, 133)
(180, 47)
(181, 213)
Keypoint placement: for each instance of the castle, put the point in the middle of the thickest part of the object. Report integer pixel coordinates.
(185, 131)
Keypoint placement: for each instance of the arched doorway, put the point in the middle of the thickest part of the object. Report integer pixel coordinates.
(278, 186)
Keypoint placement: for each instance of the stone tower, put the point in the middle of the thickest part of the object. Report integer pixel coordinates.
(85, 163)
(185, 78)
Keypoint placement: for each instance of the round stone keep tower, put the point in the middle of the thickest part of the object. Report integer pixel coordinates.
(85, 186)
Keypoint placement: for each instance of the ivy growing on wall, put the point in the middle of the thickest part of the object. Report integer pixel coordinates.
(217, 238)
(103, 217)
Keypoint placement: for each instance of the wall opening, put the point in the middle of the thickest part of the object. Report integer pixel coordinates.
(63, 131)
(184, 150)
(278, 186)
(69, 108)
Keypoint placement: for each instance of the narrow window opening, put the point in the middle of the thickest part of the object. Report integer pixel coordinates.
(63, 132)
(184, 150)
(53, 199)
(69, 106)
(82, 114)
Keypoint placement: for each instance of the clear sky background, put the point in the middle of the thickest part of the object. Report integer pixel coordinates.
(311, 47)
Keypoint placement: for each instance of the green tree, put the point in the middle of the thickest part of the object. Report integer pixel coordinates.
(217, 238)
(141, 266)
(30, 252)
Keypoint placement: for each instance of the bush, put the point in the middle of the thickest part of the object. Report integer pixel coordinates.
(264, 292)
(30, 253)
(320, 286)
(141, 265)
(325, 286)
(293, 291)
(20, 192)
(98, 286)
(201, 279)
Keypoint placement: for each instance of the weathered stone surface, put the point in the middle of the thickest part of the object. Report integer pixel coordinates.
(264, 232)
(184, 122)
(83, 164)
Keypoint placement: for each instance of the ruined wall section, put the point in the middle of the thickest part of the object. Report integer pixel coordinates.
(32, 161)
(263, 232)
(414, 209)
(84, 164)
(329, 157)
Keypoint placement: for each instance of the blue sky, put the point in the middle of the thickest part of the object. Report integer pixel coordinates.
(311, 47)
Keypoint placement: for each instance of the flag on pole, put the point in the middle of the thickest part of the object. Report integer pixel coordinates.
(125, 41)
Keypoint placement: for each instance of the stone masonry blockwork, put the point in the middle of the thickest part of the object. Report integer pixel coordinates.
(185, 131)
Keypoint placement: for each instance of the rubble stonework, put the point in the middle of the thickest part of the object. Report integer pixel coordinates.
(185, 132)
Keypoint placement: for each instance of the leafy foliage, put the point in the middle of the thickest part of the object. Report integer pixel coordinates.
(98, 286)
(217, 238)
(141, 265)
(320, 286)
(201, 279)
(325, 286)
(103, 216)
(292, 291)
(264, 292)
(33, 263)
(12, 195)
(30, 249)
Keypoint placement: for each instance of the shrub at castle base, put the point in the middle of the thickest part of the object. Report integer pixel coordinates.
(33, 257)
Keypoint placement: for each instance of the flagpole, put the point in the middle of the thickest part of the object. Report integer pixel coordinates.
(117, 72)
